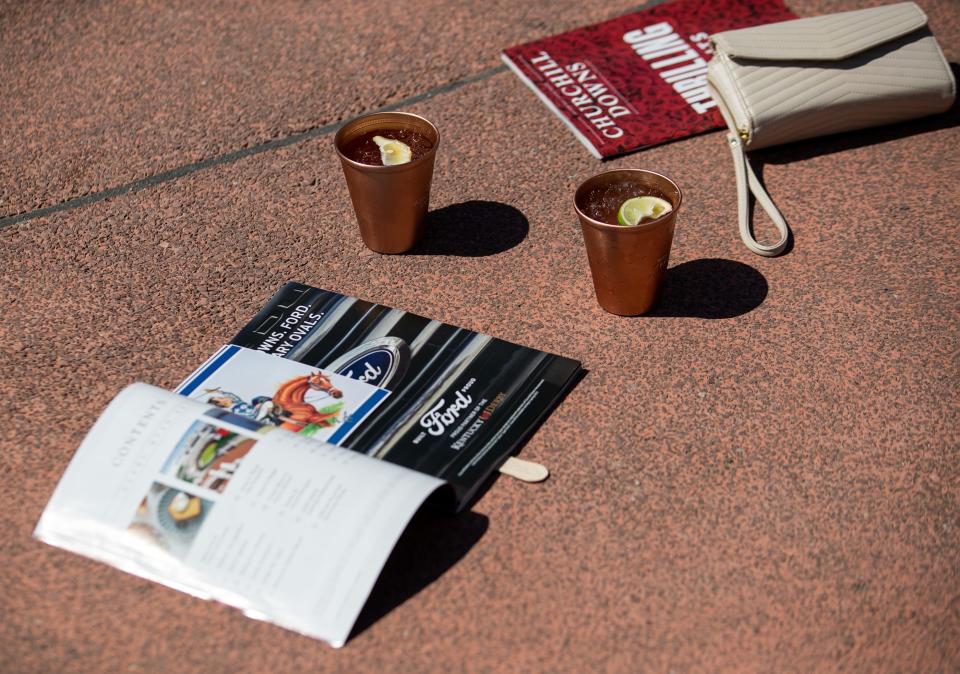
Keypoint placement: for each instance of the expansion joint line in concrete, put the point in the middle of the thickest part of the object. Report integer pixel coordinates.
(230, 157)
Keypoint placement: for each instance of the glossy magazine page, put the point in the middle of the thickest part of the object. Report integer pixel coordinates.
(265, 390)
(280, 525)
(459, 402)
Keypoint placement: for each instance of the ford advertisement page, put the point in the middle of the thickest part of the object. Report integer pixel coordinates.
(436, 398)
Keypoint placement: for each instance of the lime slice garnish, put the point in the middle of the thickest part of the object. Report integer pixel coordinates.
(634, 211)
(393, 152)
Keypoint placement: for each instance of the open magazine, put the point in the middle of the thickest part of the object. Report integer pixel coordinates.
(298, 537)
(281, 473)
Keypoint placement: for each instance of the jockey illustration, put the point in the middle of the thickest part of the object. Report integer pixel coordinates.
(260, 409)
(288, 408)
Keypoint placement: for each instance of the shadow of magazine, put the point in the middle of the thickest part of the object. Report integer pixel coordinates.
(433, 543)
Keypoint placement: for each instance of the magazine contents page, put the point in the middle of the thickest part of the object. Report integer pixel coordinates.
(284, 527)
(460, 402)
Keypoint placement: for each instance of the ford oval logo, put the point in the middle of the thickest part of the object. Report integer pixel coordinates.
(378, 362)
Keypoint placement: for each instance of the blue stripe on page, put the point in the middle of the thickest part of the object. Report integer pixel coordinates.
(196, 373)
(358, 415)
(209, 370)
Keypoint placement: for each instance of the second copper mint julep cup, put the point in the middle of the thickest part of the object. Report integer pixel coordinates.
(390, 201)
(628, 262)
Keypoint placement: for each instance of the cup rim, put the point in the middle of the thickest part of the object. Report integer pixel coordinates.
(380, 168)
(627, 228)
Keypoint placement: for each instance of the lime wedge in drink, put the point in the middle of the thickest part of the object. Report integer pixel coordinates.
(634, 211)
(393, 152)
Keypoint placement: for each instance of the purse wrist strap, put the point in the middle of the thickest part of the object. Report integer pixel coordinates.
(746, 183)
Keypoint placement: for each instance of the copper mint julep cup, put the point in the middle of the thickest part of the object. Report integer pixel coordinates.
(390, 201)
(628, 263)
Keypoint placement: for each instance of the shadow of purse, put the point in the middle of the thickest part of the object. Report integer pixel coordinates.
(805, 78)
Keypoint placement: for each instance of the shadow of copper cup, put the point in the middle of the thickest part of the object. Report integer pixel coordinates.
(628, 262)
(390, 201)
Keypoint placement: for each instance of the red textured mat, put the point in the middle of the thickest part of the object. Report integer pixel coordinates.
(760, 476)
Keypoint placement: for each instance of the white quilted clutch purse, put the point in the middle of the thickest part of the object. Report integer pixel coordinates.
(799, 79)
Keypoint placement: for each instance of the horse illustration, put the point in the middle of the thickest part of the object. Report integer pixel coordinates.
(295, 412)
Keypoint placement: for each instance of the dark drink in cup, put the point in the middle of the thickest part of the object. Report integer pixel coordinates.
(366, 150)
(387, 160)
(604, 202)
(627, 217)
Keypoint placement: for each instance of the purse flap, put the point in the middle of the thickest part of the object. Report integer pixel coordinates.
(822, 38)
